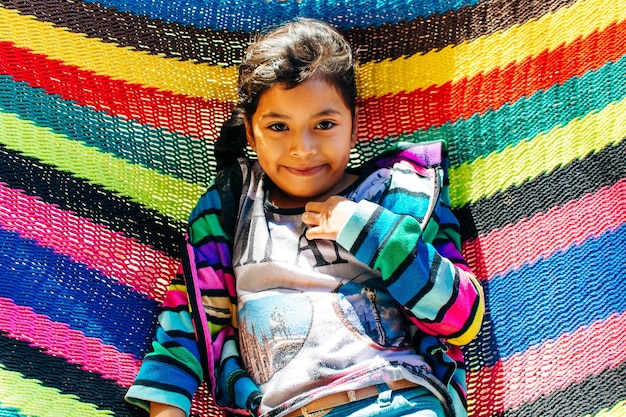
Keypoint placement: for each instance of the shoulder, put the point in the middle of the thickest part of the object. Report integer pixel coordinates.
(222, 196)
(432, 154)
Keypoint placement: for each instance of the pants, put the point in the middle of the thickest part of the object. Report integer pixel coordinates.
(412, 402)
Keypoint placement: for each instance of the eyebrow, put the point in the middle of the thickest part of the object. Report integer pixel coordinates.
(276, 115)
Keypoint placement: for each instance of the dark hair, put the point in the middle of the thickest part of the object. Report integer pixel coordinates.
(290, 54)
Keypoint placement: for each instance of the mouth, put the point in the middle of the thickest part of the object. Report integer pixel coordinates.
(304, 171)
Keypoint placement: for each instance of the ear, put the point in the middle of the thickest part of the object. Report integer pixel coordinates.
(249, 134)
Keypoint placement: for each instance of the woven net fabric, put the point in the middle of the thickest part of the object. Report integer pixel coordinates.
(108, 115)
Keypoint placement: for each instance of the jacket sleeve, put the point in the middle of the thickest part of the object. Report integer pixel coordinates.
(171, 372)
(211, 286)
(196, 335)
(412, 237)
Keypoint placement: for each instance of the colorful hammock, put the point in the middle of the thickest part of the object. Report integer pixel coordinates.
(109, 110)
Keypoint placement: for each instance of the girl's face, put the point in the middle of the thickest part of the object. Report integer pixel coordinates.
(302, 137)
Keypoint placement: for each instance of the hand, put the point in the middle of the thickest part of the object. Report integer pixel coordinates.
(327, 218)
(164, 410)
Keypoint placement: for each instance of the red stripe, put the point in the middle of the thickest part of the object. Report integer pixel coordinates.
(436, 105)
(555, 365)
(383, 116)
(545, 233)
(175, 112)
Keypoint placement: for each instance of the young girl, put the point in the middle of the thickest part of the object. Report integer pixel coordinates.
(308, 289)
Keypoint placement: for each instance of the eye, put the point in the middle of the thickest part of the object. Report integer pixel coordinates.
(325, 125)
(278, 127)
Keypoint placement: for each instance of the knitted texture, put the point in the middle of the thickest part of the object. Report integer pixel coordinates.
(108, 115)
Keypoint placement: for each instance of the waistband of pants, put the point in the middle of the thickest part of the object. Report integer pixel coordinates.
(345, 397)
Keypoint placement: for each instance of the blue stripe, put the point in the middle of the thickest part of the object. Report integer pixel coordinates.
(69, 292)
(254, 15)
(555, 296)
(135, 142)
(374, 232)
(9, 412)
(409, 285)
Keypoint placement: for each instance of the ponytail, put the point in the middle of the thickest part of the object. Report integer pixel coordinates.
(231, 143)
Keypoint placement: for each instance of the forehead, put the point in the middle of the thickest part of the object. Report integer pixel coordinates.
(308, 98)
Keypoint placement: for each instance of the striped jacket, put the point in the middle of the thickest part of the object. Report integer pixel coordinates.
(408, 233)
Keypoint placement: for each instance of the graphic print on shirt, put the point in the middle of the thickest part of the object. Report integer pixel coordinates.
(279, 329)
(307, 309)
(380, 316)
(281, 325)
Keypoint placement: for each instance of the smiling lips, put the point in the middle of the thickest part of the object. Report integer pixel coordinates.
(305, 171)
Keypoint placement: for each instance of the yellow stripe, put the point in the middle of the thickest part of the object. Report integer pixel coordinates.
(619, 410)
(452, 63)
(475, 326)
(470, 59)
(30, 398)
(122, 63)
(170, 196)
(544, 153)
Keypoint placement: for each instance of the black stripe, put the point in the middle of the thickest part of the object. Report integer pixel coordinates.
(181, 334)
(586, 398)
(411, 37)
(429, 285)
(375, 43)
(401, 269)
(567, 183)
(175, 309)
(452, 300)
(174, 363)
(390, 280)
(129, 30)
(55, 372)
(90, 201)
(365, 231)
(468, 324)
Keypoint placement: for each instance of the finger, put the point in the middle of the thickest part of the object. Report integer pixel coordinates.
(310, 218)
(314, 206)
(316, 233)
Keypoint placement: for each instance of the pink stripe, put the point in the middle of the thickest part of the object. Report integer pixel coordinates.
(58, 339)
(545, 233)
(551, 367)
(130, 262)
(175, 298)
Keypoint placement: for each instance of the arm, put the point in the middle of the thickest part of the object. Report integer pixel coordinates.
(171, 371)
(164, 410)
(423, 269)
(196, 336)
(211, 284)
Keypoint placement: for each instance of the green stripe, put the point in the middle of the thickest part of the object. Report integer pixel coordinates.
(527, 160)
(170, 196)
(496, 130)
(171, 153)
(32, 399)
(207, 225)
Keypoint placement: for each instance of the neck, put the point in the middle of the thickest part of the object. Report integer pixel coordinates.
(282, 200)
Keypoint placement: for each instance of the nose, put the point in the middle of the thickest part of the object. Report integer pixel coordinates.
(303, 144)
